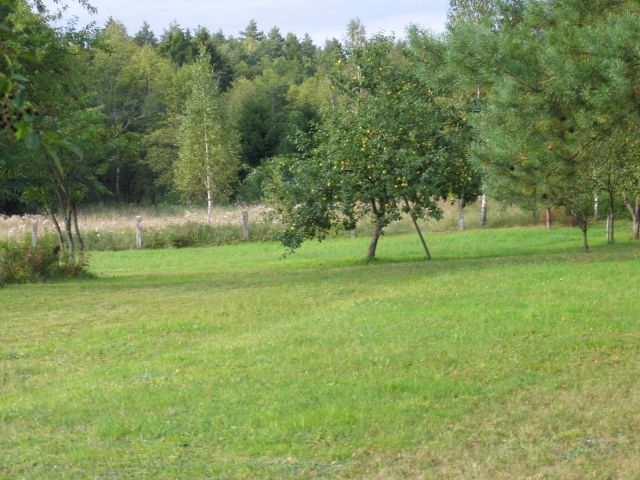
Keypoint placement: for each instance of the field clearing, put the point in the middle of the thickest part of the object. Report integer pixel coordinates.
(121, 219)
(512, 355)
(105, 219)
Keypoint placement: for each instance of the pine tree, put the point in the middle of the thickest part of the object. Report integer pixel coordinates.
(145, 36)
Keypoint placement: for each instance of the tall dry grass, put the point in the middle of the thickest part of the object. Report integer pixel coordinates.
(112, 227)
(100, 219)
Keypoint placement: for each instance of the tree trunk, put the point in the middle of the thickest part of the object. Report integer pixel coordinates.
(634, 210)
(209, 201)
(118, 182)
(415, 224)
(59, 232)
(460, 203)
(584, 238)
(596, 207)
(78, 235)
(483, 210)
(67, 227)
(549, 218)
(209, 197)
(610, 218)
(375, 236)
(609, 228)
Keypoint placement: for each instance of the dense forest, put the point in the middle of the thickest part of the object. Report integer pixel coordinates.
(133, 89)
(532, 102)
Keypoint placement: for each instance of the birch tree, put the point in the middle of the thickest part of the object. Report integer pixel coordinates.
(208, 148)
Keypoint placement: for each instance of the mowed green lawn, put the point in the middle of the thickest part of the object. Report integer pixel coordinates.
(511, 355)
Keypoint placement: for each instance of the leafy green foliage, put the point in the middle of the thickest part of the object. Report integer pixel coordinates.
(545, 126)
(382, 151)
(208, 160)
(22, 263)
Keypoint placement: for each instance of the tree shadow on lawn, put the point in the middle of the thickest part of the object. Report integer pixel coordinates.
(349, 270)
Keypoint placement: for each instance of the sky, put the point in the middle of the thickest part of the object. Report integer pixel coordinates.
(322, 19)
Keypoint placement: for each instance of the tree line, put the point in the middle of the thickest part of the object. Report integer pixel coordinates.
(532, 102)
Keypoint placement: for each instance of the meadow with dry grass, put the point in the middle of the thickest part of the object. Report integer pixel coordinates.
(113, 227)
(105, 220)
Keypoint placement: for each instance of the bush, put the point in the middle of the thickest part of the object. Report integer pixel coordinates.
(22, 263)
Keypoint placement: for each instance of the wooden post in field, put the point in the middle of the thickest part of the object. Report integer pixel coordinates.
(138, 231)
(548, 218)
(245, 225)
(460, 203)
(483, 210)
(34, 233)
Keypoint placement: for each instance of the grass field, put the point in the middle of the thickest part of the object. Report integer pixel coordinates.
(512, 355)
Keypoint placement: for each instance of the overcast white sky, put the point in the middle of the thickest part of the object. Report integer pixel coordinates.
(321, 19)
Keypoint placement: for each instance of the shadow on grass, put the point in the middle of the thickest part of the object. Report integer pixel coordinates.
(363, 270)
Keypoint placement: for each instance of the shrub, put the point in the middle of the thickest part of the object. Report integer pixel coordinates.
(22, 263)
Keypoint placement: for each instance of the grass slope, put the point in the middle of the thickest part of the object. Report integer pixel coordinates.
(513, 355)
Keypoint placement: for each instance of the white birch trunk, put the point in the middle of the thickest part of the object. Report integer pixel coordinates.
(208, 180)
(483, 210)
(209, 199)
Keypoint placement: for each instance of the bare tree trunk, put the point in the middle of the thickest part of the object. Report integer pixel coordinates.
(634, 210)
(118, 182)
(596, 207)
(460, 203)
(415, 224)
(483, 210)
(549, 218)
(78, 235)
(375, 236)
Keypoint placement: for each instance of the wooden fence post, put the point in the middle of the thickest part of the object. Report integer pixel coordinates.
(245, 225)
(34, 233)
(138, 231)
(460, 203)
(483, 210)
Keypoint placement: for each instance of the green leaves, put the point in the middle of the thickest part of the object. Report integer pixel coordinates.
(380, 149)
(208, 148)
